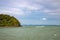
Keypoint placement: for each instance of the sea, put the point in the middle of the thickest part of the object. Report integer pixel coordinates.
(37, 32)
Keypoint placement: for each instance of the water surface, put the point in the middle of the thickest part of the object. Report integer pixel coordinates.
(30, 33)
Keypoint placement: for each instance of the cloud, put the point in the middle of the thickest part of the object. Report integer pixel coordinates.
(52, 12)
(12, 11)
(51, 7)
(44, 18)
(30, 9)
(53, 4)
(26, 5)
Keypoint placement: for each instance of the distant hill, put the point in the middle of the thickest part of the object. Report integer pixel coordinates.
(8, 21)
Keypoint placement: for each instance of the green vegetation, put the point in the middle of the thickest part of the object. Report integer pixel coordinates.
(8, 21)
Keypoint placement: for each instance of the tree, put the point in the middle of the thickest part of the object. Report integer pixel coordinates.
(9, 21)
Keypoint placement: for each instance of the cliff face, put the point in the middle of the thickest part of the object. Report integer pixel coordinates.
(9, 21)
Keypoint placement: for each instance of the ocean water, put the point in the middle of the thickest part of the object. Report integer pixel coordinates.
(30, 33)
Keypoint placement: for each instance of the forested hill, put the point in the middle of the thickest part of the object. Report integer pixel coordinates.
(8, 21)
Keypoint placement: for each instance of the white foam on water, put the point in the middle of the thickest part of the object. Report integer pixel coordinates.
(55, 34)
(37, 26)
(42, 26)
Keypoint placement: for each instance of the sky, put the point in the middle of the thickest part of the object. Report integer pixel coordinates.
(32, 12)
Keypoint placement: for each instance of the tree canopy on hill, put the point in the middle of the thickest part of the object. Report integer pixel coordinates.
(8, 21)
